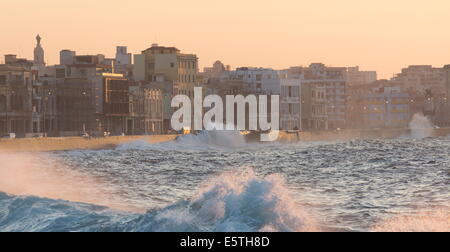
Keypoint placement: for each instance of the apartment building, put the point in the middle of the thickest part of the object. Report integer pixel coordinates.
(16, 90)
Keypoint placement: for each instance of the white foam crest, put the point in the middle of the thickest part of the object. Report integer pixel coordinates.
(243, 201)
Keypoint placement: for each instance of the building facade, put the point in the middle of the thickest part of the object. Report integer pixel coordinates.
(388, 108)
(355, 77)
(16, 91)
(261, 80)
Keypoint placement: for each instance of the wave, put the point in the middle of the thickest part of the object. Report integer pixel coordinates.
(229, 203)
(204, 140)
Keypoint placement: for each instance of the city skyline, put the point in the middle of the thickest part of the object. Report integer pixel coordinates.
(345, 34)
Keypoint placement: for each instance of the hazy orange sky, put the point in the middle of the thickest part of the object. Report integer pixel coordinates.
(382, 35)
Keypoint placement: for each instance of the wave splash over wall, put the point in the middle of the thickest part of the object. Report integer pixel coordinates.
(421, 127)
(215, 139)
(231, 202)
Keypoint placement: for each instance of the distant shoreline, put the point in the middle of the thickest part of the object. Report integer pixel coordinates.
(80, 143)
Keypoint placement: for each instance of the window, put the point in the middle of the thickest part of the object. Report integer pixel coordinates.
(2, 103)
(2, 79)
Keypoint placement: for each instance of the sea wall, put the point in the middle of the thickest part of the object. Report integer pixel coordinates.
(79, 143)
(74, 143)
(347, 135)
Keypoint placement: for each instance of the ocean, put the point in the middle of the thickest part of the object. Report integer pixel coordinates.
(215, 181)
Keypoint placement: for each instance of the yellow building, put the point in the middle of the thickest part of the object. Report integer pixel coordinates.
(168, 64)
(177, 72)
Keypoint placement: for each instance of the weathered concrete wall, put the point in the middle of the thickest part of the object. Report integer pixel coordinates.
(346, 135)
(74, 143)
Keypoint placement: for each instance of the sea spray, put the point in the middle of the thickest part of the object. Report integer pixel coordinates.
(421, 127)
(203, 140)
(433, 220)
(44, 176)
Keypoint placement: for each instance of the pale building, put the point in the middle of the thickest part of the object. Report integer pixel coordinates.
(12, 60)
(67, 57)
(420, 78)
(333, 80)
(123, 61)
(355, 77)
(215, 71)
(290, 104)
(386, 108)
(303, 103)
(176, 67)
(261, 80)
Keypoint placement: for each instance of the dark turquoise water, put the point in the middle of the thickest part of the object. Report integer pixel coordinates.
(216, 182)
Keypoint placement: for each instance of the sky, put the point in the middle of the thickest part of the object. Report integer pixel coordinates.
(382, 35)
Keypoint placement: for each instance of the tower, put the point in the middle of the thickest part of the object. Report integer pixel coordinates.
(39, 53)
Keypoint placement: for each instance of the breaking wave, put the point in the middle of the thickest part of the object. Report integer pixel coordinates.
(231, 202)
(204, 140)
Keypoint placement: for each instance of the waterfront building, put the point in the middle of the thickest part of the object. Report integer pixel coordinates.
(15, 100)
(178, 71)
(303, 104)
(290, 104)
(387, 108)
(319, 76)
(146, 109)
